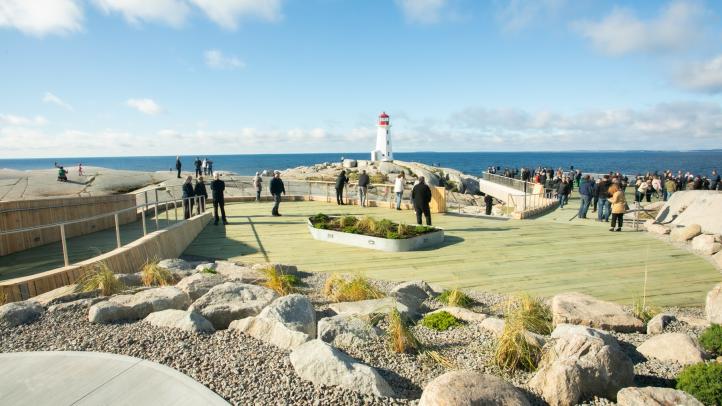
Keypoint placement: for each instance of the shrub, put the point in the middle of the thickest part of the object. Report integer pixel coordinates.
(350, 229)
(403, 230)
(100, 278)
(378, 178)
(703, 381)
(321, 225)
(401, 338)
(383, 227)
(711, 339)
(284, 284)
(358, 288)
(319, 218)
(347, 221)
(643, 312)
(423, 229)
(440, 321)
(392, 235)
(367, 224)
(514, 350)
(152, 274)
(455, 297)
(209, 271)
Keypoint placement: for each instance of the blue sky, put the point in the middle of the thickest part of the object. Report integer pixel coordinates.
(148, 77)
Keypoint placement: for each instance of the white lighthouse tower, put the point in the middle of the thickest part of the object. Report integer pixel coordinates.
(383, 140)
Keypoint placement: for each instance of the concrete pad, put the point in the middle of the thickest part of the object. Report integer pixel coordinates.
(92, 378)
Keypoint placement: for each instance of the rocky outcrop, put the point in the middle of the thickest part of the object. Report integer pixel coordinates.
(675, 347)
(577, 308)
(270, 331)
(656, 228)
(713, 304)
(18, 313)
(657, 324)
(562, 330)
(139, 305)
(706, 244)
(418, 290)
(345, 330)
(181, 320)
(685, 233)
(295, 312)
(461, 388)
(199, 284)
(651, 396)
(579, 367)
(322, 364)
(232, 301)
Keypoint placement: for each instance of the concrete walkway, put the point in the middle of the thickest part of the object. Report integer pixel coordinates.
(93, 378)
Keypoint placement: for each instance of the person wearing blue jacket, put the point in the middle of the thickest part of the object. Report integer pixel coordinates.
(586, 191)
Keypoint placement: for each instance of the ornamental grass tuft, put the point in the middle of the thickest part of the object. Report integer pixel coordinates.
(283, 283)
(515, 350)
(102, 278)
(455, 297)
(358, 288)
(154, 275)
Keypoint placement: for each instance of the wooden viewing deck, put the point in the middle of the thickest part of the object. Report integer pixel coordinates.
(543, 256)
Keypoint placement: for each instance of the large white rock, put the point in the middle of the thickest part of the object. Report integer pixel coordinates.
(494, 325)
(706, 244)
(713, 304)
(322, 364)
(371, 306)
(232, 301)
(199, 284)
(657, 324)
(238, 273)
(463, 314)
(675, 347)
(562, 330)
(656, 228)
(176, 264)
(293, 311)
(462, 388)
(418, 290)
(270, 331)
(17, 313)
(579, 367)
(181, 320)
(651, 396)
(62, 294)
(685, 233)
(345, 330)
(130, 279)
(578, 308)
(139, 305)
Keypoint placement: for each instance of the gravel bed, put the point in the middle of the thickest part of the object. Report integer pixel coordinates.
(245, 371)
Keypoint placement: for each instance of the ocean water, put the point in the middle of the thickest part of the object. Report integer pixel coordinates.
(473, 163)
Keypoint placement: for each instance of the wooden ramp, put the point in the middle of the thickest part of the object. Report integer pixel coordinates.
(544, 256)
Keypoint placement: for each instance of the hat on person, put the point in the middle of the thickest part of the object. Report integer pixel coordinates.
(277, 172)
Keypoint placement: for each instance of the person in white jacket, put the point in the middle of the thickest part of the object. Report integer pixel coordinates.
(399, 184)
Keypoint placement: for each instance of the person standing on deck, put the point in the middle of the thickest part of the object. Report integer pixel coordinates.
(363, 184)
(178, 165)
(258, 185)
(276, 189)
(421, 195)
(217, 188)
(200, 190)
(198, 163)
(561, 192)
(341, 182)
(618, 203)
(188, 194)
(204, 166)
(603, 205)
(210, 167)
(586, 190)
(714, 180)
(488, 201)
(399, 188)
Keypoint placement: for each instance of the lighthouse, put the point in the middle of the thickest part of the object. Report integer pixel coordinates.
(383, 140)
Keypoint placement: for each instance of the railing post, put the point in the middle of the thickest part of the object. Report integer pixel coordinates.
(145, 199)
(145, 230)
(64, 244)
(155, 207)
(156, 196)
(175, 209)
(117, 230)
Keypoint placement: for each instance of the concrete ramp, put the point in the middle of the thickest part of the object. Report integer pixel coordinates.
(703, 207)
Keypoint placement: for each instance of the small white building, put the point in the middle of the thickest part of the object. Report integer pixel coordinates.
(383, 150)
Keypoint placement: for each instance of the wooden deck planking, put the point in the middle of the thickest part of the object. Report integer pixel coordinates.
(544, 256)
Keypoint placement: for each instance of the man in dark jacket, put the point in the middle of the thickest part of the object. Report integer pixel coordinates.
(586, 190)
(178, 165)
(363, 184)
(421, 195)
(489, 202)
(603, 205)
(200, 190)
(341, 182)
(276, 189)
(188, 194)
(217, 188)
(198, 163)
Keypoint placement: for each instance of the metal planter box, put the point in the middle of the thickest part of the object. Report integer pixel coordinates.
(376, 243)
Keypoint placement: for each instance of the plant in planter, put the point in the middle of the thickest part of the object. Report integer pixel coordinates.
(368, 226)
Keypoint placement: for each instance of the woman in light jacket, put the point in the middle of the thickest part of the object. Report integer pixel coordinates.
(618, 207)
(399, 184)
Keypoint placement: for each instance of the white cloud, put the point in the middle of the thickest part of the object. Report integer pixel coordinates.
(422, 11)
(515, 15)
(227, 13)
(53, 99)
(145, 106)
(216, 60)
(704, 77)
(14, 120)
(41, 17)
(171, 12)
(678, 26)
